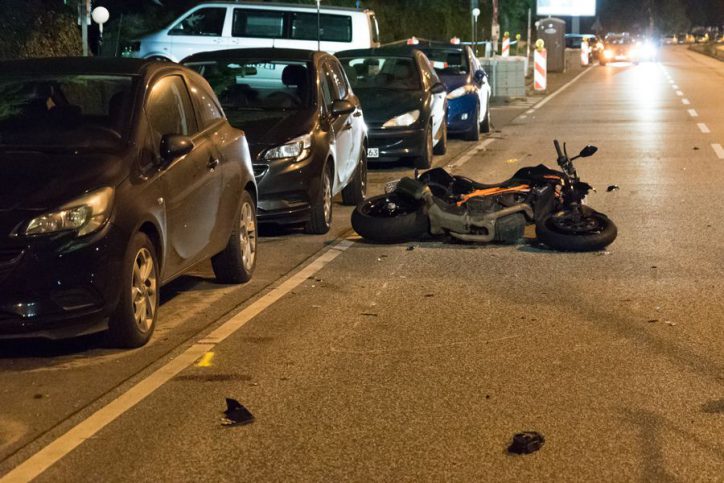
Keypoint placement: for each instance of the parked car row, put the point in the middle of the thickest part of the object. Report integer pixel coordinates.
(124, 173)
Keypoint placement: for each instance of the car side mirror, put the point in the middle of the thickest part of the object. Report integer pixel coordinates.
(588, 151)
(438, 88)
(174, 146)
(480, 75)
(340, 107)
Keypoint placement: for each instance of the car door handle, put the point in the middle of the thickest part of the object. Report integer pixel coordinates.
(212, 164)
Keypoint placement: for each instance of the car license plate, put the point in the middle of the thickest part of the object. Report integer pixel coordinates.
(373, 152)
(391, 186)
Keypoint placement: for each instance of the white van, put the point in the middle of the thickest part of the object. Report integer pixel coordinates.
(235, 25)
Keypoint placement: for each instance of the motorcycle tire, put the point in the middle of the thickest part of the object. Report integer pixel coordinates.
(390, 218)
(594, 231)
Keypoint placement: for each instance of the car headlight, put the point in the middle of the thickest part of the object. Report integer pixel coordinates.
(461, 91)
(403, 120)
(297, 149)
(83, 215)
(608, 53)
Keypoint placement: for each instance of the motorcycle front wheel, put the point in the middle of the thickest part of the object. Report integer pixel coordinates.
(576, 232)
(390, 218)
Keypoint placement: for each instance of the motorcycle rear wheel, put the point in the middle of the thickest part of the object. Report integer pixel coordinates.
(390, 218)
(591, 231)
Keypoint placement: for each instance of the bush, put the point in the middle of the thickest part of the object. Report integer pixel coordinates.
(50, 32)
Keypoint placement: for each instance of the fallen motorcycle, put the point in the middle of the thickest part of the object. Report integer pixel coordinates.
(440, 203)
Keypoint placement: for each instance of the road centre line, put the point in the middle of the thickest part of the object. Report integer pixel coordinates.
(679, 93)
(703, 128)
(718, 150)
(693, 113)
(685, 102)
(674, 86)
(86, 429)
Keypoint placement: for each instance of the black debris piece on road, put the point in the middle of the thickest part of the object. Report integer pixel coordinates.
(410, 248)
(613, 187)
(526, 442)
(236, 414)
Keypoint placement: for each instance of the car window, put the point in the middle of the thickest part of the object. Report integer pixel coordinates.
(207, 22)
(378, 72)
(64, 109)
(340, 82)
(258, 23)
(206, 106)
(332, 28)
(448, 61)
(327, 85)
(169, 108)
(257, 84)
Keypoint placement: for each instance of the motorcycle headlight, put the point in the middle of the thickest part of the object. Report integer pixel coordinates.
(460, 91)
(403, 120)
(83, 215)
(297, 149)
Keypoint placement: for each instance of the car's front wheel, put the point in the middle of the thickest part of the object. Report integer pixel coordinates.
(236, 263)
(320, 219)
(425, 161)
(134, 319)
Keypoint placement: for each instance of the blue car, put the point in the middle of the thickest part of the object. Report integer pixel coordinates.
(467, 86)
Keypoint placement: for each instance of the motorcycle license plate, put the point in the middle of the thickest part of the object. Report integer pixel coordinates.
(390, 186)
(373, 152)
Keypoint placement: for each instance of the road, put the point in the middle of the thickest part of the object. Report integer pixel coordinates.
(421, 361)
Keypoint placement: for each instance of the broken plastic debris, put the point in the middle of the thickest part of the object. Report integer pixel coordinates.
(410, 248)
(236, 414)
(613, 187)
(603, 253)
(526, 442)
(696, 148)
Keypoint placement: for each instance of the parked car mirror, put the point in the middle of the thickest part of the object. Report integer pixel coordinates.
(174, 146)
(480, 75)
(588, 151)
(340, 107)
(438, 88)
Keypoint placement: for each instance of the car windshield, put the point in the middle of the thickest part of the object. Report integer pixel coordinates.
(258, 84)
(396, 73)
(618, 39)
(64, 111)
(448, 61)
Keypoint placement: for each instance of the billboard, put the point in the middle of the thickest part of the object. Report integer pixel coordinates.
(567, 8)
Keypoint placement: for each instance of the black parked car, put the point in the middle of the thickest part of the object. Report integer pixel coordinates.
(305, 126)
(404, 101)
(117, 175)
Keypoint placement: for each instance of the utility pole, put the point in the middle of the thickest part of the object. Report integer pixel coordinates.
(495, 31)
(85, 8)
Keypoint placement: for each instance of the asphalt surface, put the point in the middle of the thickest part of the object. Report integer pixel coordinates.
(421, 361)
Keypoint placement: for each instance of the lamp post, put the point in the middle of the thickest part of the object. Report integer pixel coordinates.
(319, 26)
(100, 15)
(476, 14)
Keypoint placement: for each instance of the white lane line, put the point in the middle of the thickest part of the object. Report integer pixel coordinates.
(671, 81)
(685, 102)
(522, 116)
(718, 150)
(703, 128)
(565, 86)
(46, 457)
(679, 93)
(465, 157)
(693, 113)
(530, 111)
(674, 86)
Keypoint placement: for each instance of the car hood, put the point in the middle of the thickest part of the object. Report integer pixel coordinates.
(381, 105)
(265, 129)
(37, 181)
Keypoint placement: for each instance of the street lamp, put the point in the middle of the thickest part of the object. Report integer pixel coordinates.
(100, 15)
(319, 26)
(476, 14)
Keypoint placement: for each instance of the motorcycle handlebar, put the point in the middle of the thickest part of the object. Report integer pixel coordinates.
(558, 148)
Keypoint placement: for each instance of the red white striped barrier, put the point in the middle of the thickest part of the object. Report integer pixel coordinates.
(539, 77)
(506, 47)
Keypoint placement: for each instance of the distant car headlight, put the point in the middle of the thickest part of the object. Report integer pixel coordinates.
(461, 91)
(403, 120)
(297, 149)
(83, 215)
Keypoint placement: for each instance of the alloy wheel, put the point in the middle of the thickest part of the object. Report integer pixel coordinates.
(144, 290)
(327, 197)
(247, 236)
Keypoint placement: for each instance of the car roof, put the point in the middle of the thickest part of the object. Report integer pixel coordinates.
(279, 6)
(385, 50)
(76, 65)
(266, 53)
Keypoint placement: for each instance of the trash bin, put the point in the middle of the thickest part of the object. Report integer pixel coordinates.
(552, 31)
